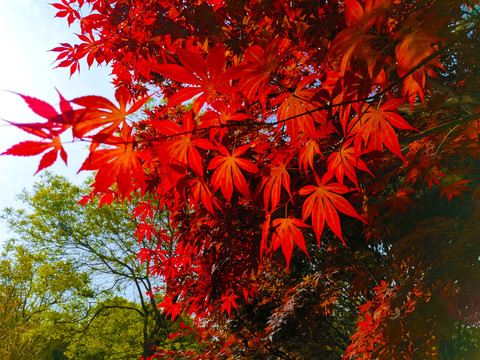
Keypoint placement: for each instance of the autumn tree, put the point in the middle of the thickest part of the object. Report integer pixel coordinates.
(311, 122)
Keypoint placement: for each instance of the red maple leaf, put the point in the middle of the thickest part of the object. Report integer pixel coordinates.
(170, 307)
(66, 10)
(201, 194)
(228, 171)
(399, 201)
(324, 203)
(298, 110)
(286, 233)
(455, 189)
(228, 300)
(353, 41)
(257, 67)
(307, 153)
(207, 75)
(344, 161)
(373, 127)
(56, 123)
(49, 131)
(101, 114)
(30, 148)
(182, 149)
(278, 176)
(119, 164)
(410, 52)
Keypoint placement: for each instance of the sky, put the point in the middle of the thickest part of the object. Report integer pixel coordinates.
(28, 30)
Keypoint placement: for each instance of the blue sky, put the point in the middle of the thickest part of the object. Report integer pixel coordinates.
(28, 30)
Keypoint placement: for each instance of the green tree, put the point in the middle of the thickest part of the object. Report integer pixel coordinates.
(95, 241)
(35, 289)
(113, 332)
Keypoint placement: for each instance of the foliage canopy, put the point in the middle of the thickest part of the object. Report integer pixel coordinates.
(311, 122)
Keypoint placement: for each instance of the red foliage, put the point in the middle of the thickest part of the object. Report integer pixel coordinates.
(288, 98)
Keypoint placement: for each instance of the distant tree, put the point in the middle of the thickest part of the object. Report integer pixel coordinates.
(100, 243)
(111, 331)
(11, 327)
(34, 289)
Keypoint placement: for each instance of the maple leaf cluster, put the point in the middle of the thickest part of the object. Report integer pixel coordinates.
(281, 121)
